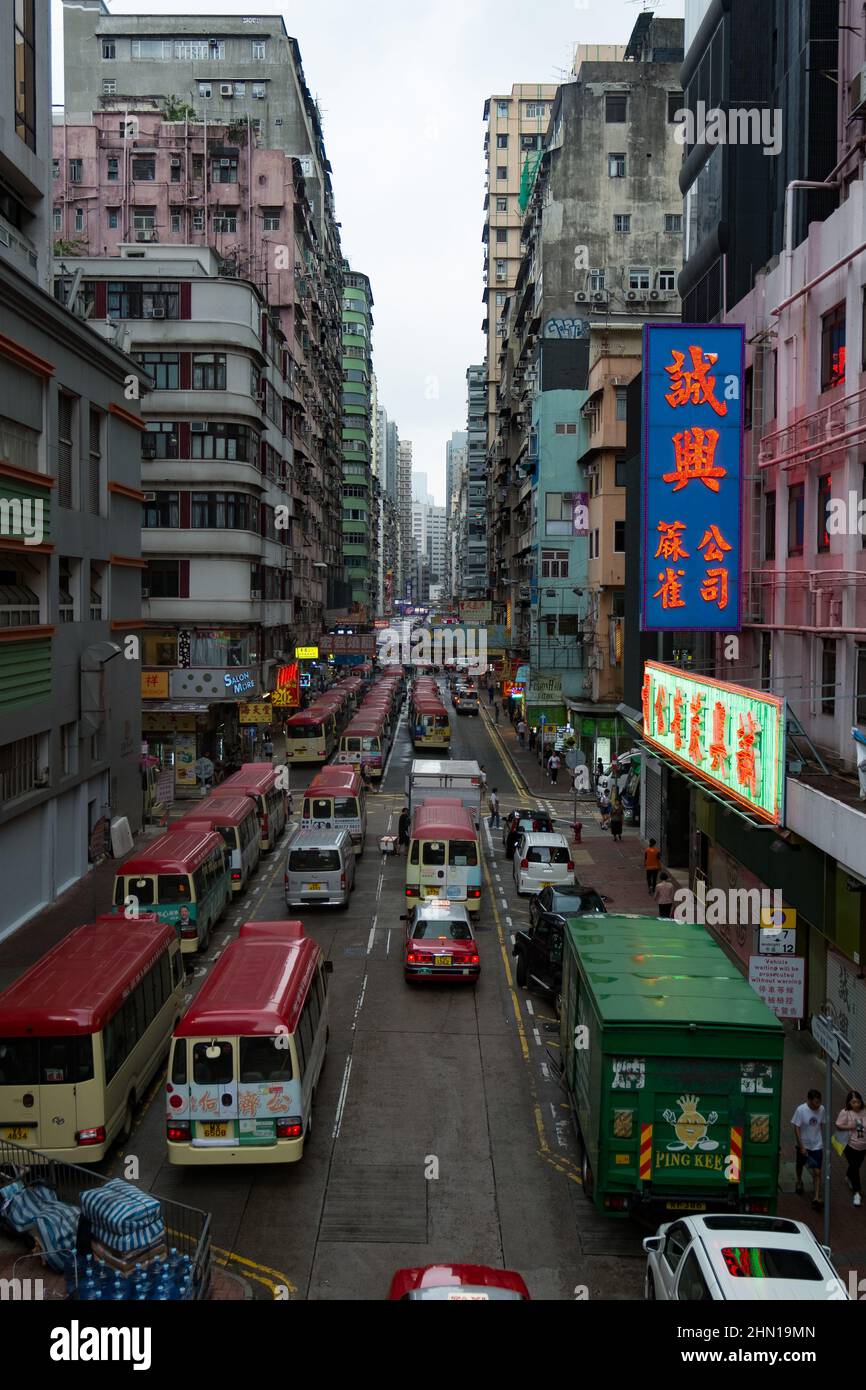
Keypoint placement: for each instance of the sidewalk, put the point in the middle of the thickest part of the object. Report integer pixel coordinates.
(617, 871)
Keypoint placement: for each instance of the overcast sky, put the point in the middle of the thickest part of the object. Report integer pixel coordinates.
(402, 90)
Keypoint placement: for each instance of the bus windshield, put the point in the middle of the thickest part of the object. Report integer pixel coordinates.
(303, 731)
(313, 860)
(433, 852)
(263, 1059)
(174, 888)
(463, 854)
(45, 1061)
(346, 808)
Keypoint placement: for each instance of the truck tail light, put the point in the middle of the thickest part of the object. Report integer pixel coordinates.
(177, 1131)
(91, 1136)
(290, 1127)
(473, 892)
(412, 892)
(342, 882)
(236, 875)
(570, 866)
(524, 863)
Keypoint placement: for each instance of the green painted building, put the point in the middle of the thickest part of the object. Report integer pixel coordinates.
(357, 438)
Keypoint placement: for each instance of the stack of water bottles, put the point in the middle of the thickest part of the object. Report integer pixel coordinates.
(166, 1279)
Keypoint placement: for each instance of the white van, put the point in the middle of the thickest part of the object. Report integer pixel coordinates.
(320, 868)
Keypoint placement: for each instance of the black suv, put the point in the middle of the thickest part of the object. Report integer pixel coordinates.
(539, 949)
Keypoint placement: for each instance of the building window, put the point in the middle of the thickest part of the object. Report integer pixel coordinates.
(76, 170)
(530, 142)
(240, 89)
(55, 168)
(113, 218)
(501, 270)
(554, 564)
(639, 277)
(226, 220)
(21, 765)
(162, 578)
(795, 519)
(667, 280)
(235, 443)
(674, 222)
(616, 166)
(162, 510)
(825, 492)
(198, 219)
(175, 221)
(144, 168)
(565, 427)
(595, 281)
(502, 108)
(221, 511)
(113, 169)
(67, 585)
(828, 675)
(619, 537)
(502, 171)
(94, 483)
(176, 170)
(98, 574)
(769, 526)
(224, 171)
(502, 142)
(24, 25)
(833, 348)
(160, 440)
(66, 415)
(501, 204)
(69, 749)
(271, 220)
(259, 91)
(191, 50)
(151, 50)
(109, 86)
(616, 108)
(205, 90)
(109, 50)
(58, 219)
(258, 48)
(209, 371)
(143, 299)
(535, 110)
(622, 222)
(621, 403)
(79, 219)
(557, 514)
(163, 367)
(619, 472)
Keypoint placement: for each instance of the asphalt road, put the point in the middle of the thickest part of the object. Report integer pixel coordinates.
(439, 1133)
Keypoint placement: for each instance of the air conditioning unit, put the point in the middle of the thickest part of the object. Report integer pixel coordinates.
(226, 89)
(600, 297)
(225, 164)
(634, 295)
(147, 235)
(175, 163)
(197, 426)
(255, 594)
(150, 496)
(259, 96)
(857, 92)
(583, 297)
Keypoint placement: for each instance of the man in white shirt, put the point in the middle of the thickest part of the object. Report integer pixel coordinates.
(808, 1122)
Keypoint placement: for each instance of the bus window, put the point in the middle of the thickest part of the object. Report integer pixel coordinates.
(434, 852)
(345, 808)
(173, 888)
(313, 860)
(463, 854)
(353, 745)
(321, 808)
(305, 1029)
(45, 1061)
(263, 1059)
(178, 1063)
(413, 856)
(212, 1071)
(142, 888)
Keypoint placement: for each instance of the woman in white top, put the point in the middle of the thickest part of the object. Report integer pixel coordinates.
(852, 1120)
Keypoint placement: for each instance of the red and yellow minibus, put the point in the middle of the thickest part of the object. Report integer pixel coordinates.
(364, 741)
(183, 877)
(444, 859)
(236, 819)
(311, 735)
(431, 727)
(260, 782)
(247, 1054)
(336, 799)
(83, 1033)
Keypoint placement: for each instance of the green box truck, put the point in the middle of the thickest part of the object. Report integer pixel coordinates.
(673, 1066)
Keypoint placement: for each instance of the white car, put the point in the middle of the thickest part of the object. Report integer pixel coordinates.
(739, 1258)
(540, 859)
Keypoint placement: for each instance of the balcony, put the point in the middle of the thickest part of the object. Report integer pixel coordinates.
(835, 426)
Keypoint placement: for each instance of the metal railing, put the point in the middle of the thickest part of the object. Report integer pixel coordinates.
(187, 1228)
(822, 430)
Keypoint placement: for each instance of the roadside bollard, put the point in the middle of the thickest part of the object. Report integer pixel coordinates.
(577, 828)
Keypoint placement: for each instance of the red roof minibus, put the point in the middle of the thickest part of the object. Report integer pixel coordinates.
(183, 877)
(336, 799)
(84, 1031)
(247, 1054)
(261, 781)
(234, 818)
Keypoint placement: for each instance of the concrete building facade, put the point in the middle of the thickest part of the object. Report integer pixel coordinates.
(357, 422)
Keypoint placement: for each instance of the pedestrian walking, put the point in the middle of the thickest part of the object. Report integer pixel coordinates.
(483, 775)
(533, 735)
(652, 862)
(664, 893)
(599, 771)
(616, 820)
(496, 711)
(403, 829)
(367, 777)
(553, 763)
(604, 807)
(493, 803)
(851, 1122)
(808, 1122)
(490, 694)
(268, 748)
(521, 732)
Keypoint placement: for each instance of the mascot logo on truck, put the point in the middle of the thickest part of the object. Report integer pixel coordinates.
(690, 1126)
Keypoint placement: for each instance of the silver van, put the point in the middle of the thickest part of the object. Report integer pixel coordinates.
(320, 868)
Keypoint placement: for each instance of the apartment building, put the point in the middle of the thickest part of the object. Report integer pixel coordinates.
(475, 574)
(358, 499)
(602, 249)
(70, 531)
(406, 586)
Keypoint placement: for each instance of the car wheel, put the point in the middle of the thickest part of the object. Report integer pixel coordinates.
(520, 970)
(650, 1286)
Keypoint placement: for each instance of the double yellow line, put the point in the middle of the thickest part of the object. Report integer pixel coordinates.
(507, 761)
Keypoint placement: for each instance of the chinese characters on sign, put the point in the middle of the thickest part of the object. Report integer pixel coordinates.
(287, 688)
(780, 981)
(692, 477)
(728, 735)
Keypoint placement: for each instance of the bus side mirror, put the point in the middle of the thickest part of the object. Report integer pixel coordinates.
(328, 967)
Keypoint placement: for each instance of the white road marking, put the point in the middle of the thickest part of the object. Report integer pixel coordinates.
(371, 938)
(344, 1090)
(509, 921)
(537, 1036)
(388, 942)
(545, 1071)
(504, 902)
(529, 1008)
(360, 1003)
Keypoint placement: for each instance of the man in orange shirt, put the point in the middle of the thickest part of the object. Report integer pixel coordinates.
(652, 863)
